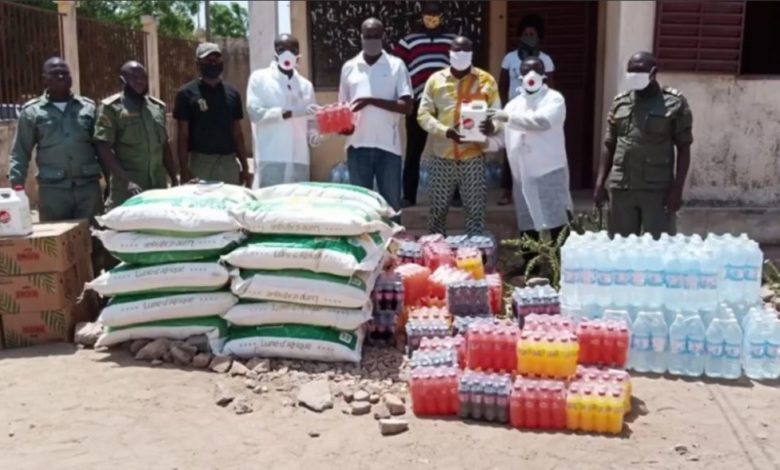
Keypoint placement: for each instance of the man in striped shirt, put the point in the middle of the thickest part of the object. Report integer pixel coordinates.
(424, 52)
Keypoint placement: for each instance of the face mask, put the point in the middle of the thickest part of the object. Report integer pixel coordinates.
(211, 70)
(131, 93)
(530, 42)
(431, 21)
(372, 47)
(532, 81)
(460, 60)
(637, 80)
(287, 60)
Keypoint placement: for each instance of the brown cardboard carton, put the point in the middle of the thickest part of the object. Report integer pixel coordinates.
(53, 247)
(45, 291)
(49, 326)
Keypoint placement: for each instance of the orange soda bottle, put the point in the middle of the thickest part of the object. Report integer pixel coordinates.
(574, 408)
(616, 407)
(551, 357)
(602, 411)
(558, 406)
(587, 416)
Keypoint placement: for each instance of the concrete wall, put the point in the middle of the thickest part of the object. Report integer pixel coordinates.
(236, 58)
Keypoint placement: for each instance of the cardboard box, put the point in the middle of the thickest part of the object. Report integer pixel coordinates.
(50, 248)
(30, 293)
(50, 326)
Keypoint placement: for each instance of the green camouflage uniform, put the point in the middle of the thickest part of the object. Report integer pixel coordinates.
(68, 169)
(644, 132)
(138, 135)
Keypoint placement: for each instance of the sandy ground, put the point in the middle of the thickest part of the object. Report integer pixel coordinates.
(67, 408)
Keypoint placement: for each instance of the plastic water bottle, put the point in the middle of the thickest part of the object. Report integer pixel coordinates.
(603, 272)
(654, 278)
(752, 274)
(622, 275)
(756, 338)
(677, 346)
(673, 278)
(772, 354)
(732, 348)
(715, 346)
(659, 339)
(695, 337)
(641, 343)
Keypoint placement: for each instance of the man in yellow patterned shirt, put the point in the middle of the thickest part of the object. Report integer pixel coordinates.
(456, 164)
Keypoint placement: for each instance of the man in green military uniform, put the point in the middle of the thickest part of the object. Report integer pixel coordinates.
(59, 125)
(645, 126)
(131, 138)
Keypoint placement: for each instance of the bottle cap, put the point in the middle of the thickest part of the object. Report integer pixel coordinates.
(18, 187)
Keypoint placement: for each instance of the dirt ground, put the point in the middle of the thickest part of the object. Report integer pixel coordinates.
(66, 408)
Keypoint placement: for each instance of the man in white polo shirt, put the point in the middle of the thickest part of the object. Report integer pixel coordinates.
(378, 86)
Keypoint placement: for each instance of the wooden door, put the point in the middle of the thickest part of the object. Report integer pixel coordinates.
(570, 39)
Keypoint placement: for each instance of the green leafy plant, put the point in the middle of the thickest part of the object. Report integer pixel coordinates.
(771, 276)
(543, 255)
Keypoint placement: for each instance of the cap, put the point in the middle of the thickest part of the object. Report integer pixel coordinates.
(206, 48)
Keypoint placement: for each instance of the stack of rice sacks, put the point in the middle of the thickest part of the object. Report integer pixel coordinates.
(171, 282)
(305, 275)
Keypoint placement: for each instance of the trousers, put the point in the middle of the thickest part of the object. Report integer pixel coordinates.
(468, 176)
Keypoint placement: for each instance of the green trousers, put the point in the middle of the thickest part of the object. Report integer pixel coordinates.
(635, 211)
(223, 168)
(76, 202)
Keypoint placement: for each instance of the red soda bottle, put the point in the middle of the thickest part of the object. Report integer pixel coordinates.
(583, 333)
(596, 344)
(414, 390)
(558, 407)
(544, 405)
(454, 398)
(621, 346)
(530, 406)
(609, 344)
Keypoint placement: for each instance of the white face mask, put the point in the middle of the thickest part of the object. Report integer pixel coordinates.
(637, 80)
(287, 60)
(533, 81)
(460, 60)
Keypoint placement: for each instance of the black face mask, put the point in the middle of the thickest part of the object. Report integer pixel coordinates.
(211, 70)
(131, 93)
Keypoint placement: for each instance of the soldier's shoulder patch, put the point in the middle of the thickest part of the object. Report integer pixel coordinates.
(622, 96)
(112, 99)
(157, 101)
(86, 100)
(672, 91)
(33, 101)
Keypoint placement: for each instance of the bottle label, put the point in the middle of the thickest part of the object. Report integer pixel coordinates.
(569, 276)
(715, 349)
(757, 350)
(587, 276)
(640, 342)
(695, 346)
(622, 277)
(734, 273)
(708, 281)
(772, 350)
(654, 278)
(732, 351)
(674, 280)
(750, 274)
(678, 346)
(603, 278)
(691, 281)
(659, 343)
(638, 279)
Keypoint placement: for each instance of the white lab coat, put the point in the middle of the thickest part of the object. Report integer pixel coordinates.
(281, 145)
(536, 149)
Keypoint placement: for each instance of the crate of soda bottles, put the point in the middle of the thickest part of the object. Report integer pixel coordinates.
(492, 345)
(428, 322)
(410, 252)
(540, 300)
(434, 391)
(547, 348)
(486, 244)
(598, 402)
(470, 260)
(495, 293)
(455, 343)
(437, 254)
(334, 118)
(468, 298)
(538, 404)
(415, 282)
(443, 277)
(388, 297)
(434, 358)
(614, 378)
(484, 396)
(603, 342)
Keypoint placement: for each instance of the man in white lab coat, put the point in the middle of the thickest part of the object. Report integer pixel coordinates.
(279, 102)
(536, 150)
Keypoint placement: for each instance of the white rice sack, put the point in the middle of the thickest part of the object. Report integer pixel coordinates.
(304, 287)
(311, 216)
(303, 342)
(340, 192)
(187, 209)
(126, 310)
(341, 256)
(180, 329)
(176, 277)
(276, 313)
(143, 248)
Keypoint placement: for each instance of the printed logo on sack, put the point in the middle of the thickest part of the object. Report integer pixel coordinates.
(5, 217)
(345, 338)
(468, 123)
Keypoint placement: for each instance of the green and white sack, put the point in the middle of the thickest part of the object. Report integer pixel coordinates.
(340, 192)
(304, 287)
(180, 329)
(311, 343)
(126, 310)
(341, 256)
(197, 276)
(276, 313)
(143, 248)
(311, 216)
(190, 209)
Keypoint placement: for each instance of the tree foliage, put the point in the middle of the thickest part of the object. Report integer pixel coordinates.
(229, 21)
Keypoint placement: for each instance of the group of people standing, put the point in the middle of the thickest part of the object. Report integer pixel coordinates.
(425, 82)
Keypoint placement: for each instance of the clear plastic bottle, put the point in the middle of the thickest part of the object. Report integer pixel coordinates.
(715, 362)
(659, 339)
(641, 344)
(772, 349)
(732, 348)
(756, 337)
(695, 338)
(678, 348)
